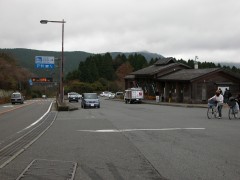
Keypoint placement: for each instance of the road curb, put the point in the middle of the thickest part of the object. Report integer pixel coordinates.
(169, 104)
(177, 105)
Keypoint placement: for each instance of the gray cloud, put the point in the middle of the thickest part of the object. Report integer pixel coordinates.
(177, 28)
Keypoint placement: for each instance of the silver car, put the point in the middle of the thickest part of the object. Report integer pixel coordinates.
(90, 100)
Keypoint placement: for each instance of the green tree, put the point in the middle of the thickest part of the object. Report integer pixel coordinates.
(119, 60)
(73, 75)
(137, 61)
(234, 69)
(152, 61)
(105, 65)
(84, 74)
(92, 69)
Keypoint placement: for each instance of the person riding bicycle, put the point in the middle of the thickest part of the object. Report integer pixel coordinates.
(218, 98)
(234, 104)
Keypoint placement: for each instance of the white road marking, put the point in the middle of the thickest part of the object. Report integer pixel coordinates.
(7, 106)
(128, 130)
(15, 107)
(38, 119)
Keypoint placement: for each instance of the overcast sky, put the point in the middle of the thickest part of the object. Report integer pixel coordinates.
(209, 29)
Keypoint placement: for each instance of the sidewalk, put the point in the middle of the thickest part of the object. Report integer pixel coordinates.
(179, 104)
(72, 106)
(175, 104)
(169, 104)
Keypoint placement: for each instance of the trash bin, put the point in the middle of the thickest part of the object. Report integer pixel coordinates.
(157, 99)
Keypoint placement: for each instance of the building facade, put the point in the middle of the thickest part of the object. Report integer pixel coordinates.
(176, 82)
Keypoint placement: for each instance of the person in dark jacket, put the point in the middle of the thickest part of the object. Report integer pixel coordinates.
(238, 99)
(227, 94)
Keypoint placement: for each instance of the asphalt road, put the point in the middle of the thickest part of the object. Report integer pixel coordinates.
(135, 141)
(14, 118)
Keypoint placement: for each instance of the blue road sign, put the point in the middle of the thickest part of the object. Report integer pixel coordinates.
(44, 66)
(30, 82)
(44, 62)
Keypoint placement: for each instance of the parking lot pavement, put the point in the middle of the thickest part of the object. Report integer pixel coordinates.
(74, 106)
(180, 104)
(175, 104)
(169, 104)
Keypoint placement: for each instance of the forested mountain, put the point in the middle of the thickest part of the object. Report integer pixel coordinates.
(148, 56)
(103, 72)
(86, 72)
(26, 57)
(99, 71)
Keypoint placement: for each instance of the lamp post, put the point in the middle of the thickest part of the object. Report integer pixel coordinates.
(61, 64)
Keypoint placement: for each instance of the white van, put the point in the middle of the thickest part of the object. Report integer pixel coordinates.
(17, 97)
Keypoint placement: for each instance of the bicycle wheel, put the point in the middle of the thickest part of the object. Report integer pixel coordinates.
(210, 113)
(231, 113)
(237, 115)
(216, 114)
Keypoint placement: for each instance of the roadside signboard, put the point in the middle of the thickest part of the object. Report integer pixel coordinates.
(44, 62)
(41, 79)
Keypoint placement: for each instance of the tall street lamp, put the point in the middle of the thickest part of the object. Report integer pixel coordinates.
(61, 64)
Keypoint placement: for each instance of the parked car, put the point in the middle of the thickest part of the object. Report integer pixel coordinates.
(78, 95)
(111, 95)
(119, 95)
(105, 94)
(17, 97)
(72, 97)
(90, 100)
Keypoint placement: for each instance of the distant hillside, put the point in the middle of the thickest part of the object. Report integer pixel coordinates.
(237, 65)
(12, 77)
(148, 56)
(26, 57)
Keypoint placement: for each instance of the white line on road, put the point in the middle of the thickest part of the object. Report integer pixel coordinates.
(128, 130)
(38, 119)
(7, 106)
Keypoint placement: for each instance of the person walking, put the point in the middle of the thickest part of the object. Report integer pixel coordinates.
(225, 95)
(218, 98)
(170, 96)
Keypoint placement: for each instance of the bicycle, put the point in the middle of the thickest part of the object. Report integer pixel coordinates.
(233, 109)
(212, 111)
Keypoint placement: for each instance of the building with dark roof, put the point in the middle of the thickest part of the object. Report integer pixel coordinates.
(177, 82)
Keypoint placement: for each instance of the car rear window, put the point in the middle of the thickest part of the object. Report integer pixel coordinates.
(90, 96)
(16, 95)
